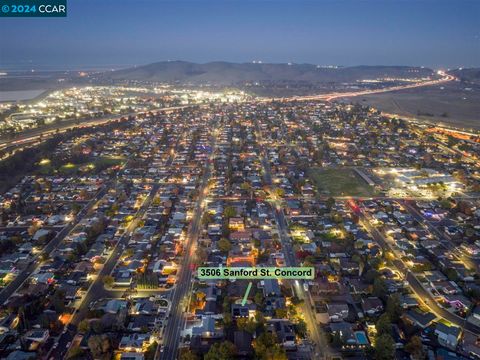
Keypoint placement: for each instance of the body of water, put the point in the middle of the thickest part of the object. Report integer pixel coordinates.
(19, 95)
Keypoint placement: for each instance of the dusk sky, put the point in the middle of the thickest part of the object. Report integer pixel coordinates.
(115, 33)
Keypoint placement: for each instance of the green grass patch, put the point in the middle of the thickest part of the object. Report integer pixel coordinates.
(107, 161)
(94, 166)
(68, 169)
(45, 167)
(340, 182)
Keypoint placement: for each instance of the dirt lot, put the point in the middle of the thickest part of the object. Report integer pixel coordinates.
(453, 104)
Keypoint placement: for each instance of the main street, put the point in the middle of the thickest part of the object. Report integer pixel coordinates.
(180, 295)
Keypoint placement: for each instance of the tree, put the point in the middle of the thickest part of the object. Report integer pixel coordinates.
(379, 288)
(415, 348)
(384, 347)
(227, 319)
(309, 260)
(469, 232)
(452, 274)
(108, 280)
(281, 313)
(224, 245)
(245, 186)
(330, 203)
(207, 218)
(221, 351)
(266, 348)
(76, 208)
(96, 326)
(258, 298)
(383, 325)
(394, 308)
(75, 352)
(150, 353)
(200, 295)
(128, 252)
(44, 256)
(279, 192)
(84, 326)
(301, 328)
(201, 255)
(188, 355)
(370, 276)
(229, 212)
(260, 319)
(376, 263)
(58, 301)
(446, 204)
(337, 218)
(99, 346)
(33, 228)
(246, 324)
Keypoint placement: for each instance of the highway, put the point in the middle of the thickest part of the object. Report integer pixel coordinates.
(180, 295)
(31, 137)
(337, 95)
(37, 135)
(97, 289)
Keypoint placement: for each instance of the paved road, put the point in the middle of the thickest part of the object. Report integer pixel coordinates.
(97, 290)
(179, 298)
(444, 239)
(317, 335)
(337, 95)
(322, 349)
(35, 262)
(415, 284)
(34, 136)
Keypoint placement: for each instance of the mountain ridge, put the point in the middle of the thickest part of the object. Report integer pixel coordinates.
(228, 73)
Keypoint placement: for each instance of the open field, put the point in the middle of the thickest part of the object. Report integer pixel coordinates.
(453, 104)
(95, 166)
(340, 182)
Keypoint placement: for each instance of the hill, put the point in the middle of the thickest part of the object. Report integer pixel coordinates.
(225, 73)
(471, 75)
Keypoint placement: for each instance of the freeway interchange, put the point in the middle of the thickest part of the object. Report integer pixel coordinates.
(230, 185)
(35, 136)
